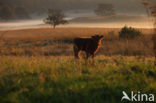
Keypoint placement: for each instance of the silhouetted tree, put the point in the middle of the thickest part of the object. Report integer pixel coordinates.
(104, 10)
(55, 17)
(146, 4)
(21, 13)
(6, 13)
(151, 11)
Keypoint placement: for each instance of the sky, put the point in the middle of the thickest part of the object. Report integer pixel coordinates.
(121, 6)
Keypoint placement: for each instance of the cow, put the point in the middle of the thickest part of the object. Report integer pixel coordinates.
(89, 45)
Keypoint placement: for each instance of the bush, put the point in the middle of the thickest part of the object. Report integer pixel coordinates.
(129, 33)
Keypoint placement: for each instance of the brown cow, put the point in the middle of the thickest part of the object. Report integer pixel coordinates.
(89, 45)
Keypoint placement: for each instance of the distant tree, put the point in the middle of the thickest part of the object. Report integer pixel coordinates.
(55, 17)
(6, 13)
(104, 10)
(21, 13)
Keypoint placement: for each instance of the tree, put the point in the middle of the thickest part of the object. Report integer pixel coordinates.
(104, 10)
(6, 13)
(146, 4)
(55, 17)
(151, 11)
(21, 13)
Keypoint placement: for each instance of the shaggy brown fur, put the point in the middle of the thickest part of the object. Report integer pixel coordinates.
(89, 45)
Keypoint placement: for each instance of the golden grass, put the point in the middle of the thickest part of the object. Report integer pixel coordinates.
(48, 41)
(62, 32)
(62, 80)
(47, 74)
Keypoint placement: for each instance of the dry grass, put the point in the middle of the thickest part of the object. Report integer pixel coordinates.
(62, 32)
(47, 41)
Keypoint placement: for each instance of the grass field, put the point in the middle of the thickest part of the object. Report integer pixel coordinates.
(61, 80)
(37, 66)
(56, 42)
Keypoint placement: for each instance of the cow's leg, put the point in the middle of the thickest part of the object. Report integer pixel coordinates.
(87, 55)
(76, 52)
(93, 55)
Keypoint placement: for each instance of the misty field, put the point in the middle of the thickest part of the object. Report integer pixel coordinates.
(38, 66)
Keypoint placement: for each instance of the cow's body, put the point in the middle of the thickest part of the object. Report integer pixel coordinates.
(89, 45)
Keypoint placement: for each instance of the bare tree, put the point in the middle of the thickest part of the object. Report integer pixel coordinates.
(104, 10)
(146, 4)
(55, 17)
(151, 11)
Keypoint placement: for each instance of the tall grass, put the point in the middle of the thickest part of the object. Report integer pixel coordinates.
(49, 42)
(62, 80)
(36, 66)
(151, 11)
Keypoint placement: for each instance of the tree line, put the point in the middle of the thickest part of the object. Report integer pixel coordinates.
(21, 12)
(41, 6)
(8, 13)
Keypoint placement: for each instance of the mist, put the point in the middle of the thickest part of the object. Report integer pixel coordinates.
(80, 13)
(41, 6)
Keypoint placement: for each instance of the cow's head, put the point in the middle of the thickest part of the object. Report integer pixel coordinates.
(97, 37)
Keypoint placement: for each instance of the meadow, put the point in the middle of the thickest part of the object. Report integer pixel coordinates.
(37, 66)
(57, 42)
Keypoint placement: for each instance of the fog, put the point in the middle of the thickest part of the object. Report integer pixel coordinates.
(27, 24)
(40, 6)
(75, 9)
(39, 24)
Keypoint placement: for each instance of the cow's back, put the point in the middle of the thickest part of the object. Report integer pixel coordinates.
(82, 43)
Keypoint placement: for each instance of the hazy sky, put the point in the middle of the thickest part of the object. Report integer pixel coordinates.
(132, 6)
